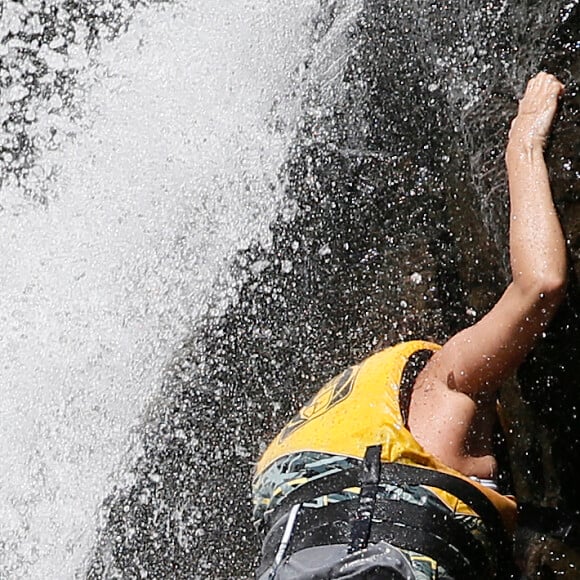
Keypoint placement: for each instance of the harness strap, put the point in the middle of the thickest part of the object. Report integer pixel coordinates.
(398, 474)
(415, 364)
(369, 480)
(413, 533)
(408, 526)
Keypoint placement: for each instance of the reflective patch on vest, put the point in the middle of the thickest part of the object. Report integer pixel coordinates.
(332, 393)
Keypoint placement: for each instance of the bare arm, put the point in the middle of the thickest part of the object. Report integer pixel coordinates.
(478, 358)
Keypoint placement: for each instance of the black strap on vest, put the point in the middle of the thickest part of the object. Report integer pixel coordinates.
(406, 527)
(369, 485)
(398, 474)
(415, 364)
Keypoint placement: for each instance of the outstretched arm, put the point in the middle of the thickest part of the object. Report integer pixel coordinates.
(478, 358)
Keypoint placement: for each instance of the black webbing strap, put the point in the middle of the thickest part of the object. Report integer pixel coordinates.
(415, 364)
(369, 484)
(326, 485)
(409, 526)
(399, 474)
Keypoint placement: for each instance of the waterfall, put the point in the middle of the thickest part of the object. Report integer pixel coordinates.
(113, 233)
(208, 208)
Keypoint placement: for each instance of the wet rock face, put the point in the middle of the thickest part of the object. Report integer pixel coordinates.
(545, 415)
(394, 228)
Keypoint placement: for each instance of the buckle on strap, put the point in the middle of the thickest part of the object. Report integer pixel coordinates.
(369, 484)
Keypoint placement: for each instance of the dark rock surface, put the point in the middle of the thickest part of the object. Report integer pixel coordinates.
(394, 228)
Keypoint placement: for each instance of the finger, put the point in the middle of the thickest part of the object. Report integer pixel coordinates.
(553, 88)
(552, 81)
(556, 85)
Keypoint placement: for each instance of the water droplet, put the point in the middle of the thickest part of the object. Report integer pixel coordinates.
(416, 278)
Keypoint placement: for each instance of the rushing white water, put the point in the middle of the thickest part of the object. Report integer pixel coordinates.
(170, 175)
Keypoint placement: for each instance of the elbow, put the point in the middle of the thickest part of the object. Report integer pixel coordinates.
(548, 288)
(554, 287)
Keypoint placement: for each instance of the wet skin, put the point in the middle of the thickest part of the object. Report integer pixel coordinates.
(453, 410)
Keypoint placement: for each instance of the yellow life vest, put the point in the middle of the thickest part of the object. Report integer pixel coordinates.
(359, 408)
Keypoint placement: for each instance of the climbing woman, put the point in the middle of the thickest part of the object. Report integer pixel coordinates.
(388, 472)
